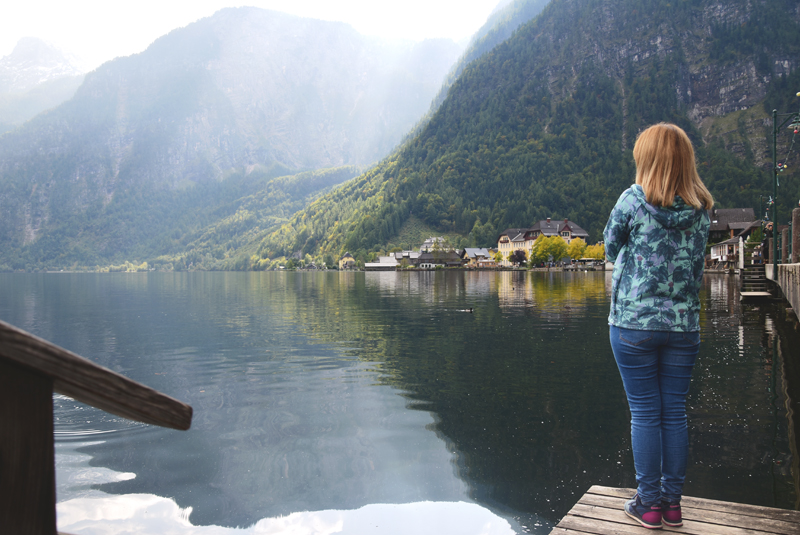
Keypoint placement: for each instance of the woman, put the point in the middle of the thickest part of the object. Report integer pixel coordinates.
(656, 237)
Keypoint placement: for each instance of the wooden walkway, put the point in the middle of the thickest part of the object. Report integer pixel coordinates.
(599, 512)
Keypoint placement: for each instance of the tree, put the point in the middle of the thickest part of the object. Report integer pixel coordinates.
(550, 249)
(538, 253)
(498, 257)
(597, 251)
(518, 257)
(576, 248)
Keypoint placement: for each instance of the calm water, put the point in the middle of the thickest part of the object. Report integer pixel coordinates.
(373, 403)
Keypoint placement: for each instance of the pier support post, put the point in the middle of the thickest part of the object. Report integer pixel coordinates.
(795, 235)
(785, 246)
(27, 466)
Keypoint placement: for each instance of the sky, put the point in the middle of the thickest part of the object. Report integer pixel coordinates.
(95, 31)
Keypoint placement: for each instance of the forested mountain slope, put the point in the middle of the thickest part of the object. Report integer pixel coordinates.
(248, 93)
(543, 125)
(500, 25)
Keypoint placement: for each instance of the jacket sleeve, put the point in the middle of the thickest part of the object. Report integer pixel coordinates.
(617, 229)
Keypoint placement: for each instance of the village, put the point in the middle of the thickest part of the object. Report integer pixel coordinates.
(567, 248)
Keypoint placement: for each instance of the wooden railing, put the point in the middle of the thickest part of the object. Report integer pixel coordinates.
(31, 369)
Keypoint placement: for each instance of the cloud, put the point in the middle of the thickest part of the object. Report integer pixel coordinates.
(149, 514)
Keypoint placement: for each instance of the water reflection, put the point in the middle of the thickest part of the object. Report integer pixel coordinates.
(328, 393)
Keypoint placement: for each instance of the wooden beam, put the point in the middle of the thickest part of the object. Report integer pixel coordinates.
(85, 381)
(27, 467)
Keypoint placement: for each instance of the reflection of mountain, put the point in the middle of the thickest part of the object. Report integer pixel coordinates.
(288, 375)
(532, 403)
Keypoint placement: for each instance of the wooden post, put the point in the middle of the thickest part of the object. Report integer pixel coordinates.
(785, 246)
(27, 462)
(795, 235)
(31, 369)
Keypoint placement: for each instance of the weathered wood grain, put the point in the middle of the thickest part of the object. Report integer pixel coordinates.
(733, 517)
(711, 505)
(600, 512)
(27, 467)
(85, 381)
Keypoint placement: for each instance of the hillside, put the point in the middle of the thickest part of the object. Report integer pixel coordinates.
(500, 25)
(543, 125)
(247, 93)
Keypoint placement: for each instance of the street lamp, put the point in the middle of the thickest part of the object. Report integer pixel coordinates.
(795, 118)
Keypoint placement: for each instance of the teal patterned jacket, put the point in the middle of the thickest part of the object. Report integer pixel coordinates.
(659, 256)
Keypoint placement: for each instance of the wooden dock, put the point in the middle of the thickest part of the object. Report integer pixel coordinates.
(600, 512)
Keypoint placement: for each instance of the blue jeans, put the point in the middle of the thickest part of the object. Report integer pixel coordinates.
(656, 368)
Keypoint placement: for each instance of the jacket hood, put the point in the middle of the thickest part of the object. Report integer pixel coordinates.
(680, 215)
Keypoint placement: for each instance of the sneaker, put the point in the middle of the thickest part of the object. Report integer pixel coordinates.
(648, 516)
(671, 514)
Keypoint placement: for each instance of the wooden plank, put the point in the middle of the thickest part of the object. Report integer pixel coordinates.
(27, 467)
(726, 518)
(710, 505)
(564, 531)
(625, 526)
(90, 383)
(618, 516)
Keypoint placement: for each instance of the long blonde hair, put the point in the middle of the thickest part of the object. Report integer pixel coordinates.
(665, 167)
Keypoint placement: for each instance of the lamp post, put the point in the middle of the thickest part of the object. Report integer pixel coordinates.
(775, 126)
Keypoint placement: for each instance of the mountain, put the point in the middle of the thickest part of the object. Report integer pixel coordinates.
(501, 24)
(543, 125)
(35, 77)
(33, 62)
(241, 91)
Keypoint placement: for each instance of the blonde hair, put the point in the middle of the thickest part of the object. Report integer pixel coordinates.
(665, 167)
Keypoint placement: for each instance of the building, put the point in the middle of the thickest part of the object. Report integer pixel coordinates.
(510, 240)
(434, 243)
(347, 261)
(384, 263)
(474, 257)
(568, 230)
(407, 258)
(439, 259)
(523, 238)
(728, 223)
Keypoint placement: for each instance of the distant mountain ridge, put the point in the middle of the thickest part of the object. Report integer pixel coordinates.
(33, 78)
(245, 89)
(33, 62)
(543, 124)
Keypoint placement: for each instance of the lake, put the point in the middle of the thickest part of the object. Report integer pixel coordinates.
(361, 403)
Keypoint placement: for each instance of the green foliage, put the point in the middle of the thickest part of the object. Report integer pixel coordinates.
(518, 257)
(576, 248)
(210, 225)
(597, 251)
(520, 137)
(548, 249)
